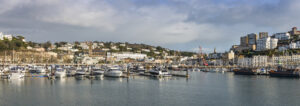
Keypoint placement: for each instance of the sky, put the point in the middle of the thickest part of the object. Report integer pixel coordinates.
(176, 24)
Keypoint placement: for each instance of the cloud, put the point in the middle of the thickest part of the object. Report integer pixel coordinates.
(178, 24)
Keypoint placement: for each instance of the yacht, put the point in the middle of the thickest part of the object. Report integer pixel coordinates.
(17, 75)
(70, 71)
(159, 72)
(38, 71)
(97, 71)
(140, 69)
(60, 73)
(113, 72)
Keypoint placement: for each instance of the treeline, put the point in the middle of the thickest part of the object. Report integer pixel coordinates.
(16, 43)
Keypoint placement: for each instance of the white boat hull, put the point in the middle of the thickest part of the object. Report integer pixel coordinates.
(16, 75)
(60, 74)
(113, 74)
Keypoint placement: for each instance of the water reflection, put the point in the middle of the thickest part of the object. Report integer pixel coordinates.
(200, 89)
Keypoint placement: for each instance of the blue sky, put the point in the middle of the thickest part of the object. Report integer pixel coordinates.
(175, 24)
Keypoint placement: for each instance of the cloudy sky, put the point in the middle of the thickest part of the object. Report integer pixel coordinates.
(175, 24)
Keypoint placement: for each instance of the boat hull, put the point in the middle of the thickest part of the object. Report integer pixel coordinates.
(283, 74)
(113, 74)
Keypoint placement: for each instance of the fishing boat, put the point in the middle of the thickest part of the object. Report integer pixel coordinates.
(284, 72)
(113, 72)
(244, 71)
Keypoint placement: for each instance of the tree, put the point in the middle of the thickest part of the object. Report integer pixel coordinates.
(46, 45)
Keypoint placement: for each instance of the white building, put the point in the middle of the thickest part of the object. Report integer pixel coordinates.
(91, 60)
(84, 45)
(295, 45)
(255, 61)
(123, 44)
(145, 50)
(293, 60)
(259, 61)
(2, 36)
(282, 36)
(114, 48)
(124, 55)
(273, 43)
(283, 47)
(244, 62)
(266, 43)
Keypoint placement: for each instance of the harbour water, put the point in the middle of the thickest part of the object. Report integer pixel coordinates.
(200, 89)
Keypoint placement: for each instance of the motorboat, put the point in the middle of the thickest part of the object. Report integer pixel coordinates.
(60, 73)
(80, 72)
(97, 71)
(37, 69)
(113, 72)
(17, 75)
(159, 72)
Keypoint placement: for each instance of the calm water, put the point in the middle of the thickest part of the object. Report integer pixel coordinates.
(200, 89)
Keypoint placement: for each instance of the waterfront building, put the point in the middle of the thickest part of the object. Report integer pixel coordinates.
(260, 61)
(255, 61)
(289, 60)
(244, 62)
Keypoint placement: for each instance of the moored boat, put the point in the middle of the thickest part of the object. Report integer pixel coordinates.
(60, 73)
(244, 71)
(113, 72)
(284, 72)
